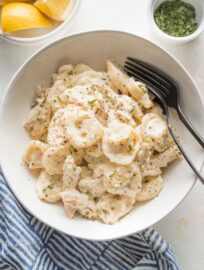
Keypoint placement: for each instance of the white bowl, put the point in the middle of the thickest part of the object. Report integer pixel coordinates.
(43, 35)
(199, 7)
(94, 48)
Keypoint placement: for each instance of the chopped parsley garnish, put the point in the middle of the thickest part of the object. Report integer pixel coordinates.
(176, 18)
(40, 120)
(143, 88)
(59, 99)
(91, 102)
(101, 212)
(34, 104)
(130, 147)
(90, 195)
(51, 186)
(111, 175)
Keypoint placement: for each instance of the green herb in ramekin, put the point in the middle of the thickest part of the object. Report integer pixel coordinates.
(176, 18)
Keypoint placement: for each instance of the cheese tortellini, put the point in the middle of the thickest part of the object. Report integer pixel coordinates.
(120, 143)
(49, 187)
(99, 142)
(154, 131)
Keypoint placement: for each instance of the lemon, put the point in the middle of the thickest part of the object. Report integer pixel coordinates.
(21, 16)
(9, 1)
(55, 9)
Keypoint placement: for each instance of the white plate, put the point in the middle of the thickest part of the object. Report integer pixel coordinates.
(94, 48)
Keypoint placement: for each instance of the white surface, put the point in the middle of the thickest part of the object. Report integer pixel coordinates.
(76, 49)
(184, 226)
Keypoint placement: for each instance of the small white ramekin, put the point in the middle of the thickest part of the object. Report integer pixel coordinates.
(49, 35)
(199, 7)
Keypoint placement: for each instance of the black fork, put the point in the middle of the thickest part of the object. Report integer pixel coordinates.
(165, 85)
(158, 93)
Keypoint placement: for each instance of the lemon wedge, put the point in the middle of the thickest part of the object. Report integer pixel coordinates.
(21, 16)
(2, 2)
(56, 9)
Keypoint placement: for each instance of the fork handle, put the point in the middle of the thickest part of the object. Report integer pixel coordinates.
(189, 126)
(186, 156)
(178, 143)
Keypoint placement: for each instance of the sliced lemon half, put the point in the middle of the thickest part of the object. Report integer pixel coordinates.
(58, 10)
(21, 16)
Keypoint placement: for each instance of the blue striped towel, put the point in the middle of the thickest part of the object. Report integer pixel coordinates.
(26, 243)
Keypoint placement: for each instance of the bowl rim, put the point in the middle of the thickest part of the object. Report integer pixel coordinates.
(190, 37)
(55, 31)
(23, 67)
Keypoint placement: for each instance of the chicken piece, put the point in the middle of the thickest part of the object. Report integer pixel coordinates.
(54, 158)
(110, 208)
(164, 158)
(88, 77)
(63, 75)
(80, 95)
(119, 179)
(151, 187)
(54, 94)
(80, 68)
(38, 120)
(71, 173)
(74, 201)
(93, 187)
(34, 153)
(49, 188)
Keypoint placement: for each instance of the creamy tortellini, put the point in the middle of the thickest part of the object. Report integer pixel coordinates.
(99, 142)
(120, 142)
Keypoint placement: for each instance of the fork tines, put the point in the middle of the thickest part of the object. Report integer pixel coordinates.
(149, 75)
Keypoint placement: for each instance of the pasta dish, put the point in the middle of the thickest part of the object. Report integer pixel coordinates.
(99, 142)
